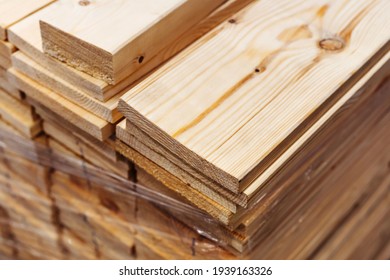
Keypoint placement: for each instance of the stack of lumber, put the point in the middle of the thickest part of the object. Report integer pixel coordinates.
(259, 125)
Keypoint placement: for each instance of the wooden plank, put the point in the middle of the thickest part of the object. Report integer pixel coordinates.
(76, 115)
(138, 30)
(173, 183)
(105, 110)
(252, 116)
(26, 36)
(106, 148)
(144, 144)
(78, 147)
(13, 11)
(6, 48)
(7, 86)
(19, 115)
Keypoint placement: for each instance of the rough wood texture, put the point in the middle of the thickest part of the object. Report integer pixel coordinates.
(237, 116)
(15, 10)
(137, 31)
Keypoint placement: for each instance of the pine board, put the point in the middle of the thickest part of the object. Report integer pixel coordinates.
(76, 115)
(26, 36)
(106, 148)
(294, 157)
(15, 10)
(105, 110)
(137, 29)
(19, 115)
(7, 86)
(252, 116)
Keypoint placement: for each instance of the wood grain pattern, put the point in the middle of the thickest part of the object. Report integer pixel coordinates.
(15, 10)
(27, 37)
(105, 110)
(268, 182)
(232, 133)
(76, 115)
(137, 30)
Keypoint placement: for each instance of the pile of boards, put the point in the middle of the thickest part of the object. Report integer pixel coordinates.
(177, 130)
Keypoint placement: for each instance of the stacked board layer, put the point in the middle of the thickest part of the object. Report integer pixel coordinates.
(231, 129)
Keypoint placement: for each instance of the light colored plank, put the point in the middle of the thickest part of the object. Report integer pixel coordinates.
(137, 145)
(76, 145)
(15, 10)
(173, 183)
(137, 30)
(105, 110)
(106, 147)
(5, 62)
(238, 115)
(166, 159)
(26, 36)
(6, 48)
(19, 115)
(7, 86)
(76, 115)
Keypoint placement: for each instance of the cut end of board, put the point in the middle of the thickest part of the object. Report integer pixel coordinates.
(89, 58)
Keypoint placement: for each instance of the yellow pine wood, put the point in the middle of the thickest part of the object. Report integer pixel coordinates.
(160, 174)
(6, 48)
(107, 147)
(137, 145)
(19, 115)
(136, 29)
(228, 103)
(371, 215)
(105, 110)
(12, 11)
(27, 37)
(74, 114)
(7, 86)
(374, 75)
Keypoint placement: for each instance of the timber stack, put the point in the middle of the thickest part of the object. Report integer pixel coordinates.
(194, 129)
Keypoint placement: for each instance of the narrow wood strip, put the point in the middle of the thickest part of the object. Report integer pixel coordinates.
(81, 118)
(137, 145)
(105, 110)
(175, 184)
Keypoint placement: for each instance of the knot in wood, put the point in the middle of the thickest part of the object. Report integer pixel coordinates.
(332, 44)
(84, 3)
